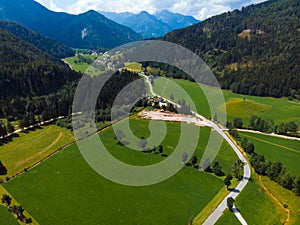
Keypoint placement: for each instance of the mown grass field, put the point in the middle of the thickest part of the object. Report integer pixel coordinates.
(27, 148)
(134, 67)
(77, 66)
(228, 218)
(65, 190)
(7, 217)
(280, 110)
(277, 150)
(256, 207)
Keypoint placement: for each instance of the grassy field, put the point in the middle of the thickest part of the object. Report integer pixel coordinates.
(280, 110)
(7, 217)
(64, 189)
(79, 66)
(285, 197)
(134, 67)
(228, 218)
(277, 150)
(256, 207)
(27, 148)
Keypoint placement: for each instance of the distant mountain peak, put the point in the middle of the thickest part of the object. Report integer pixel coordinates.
(149, 25)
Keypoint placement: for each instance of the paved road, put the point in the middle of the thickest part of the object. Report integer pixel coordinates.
(217, 213)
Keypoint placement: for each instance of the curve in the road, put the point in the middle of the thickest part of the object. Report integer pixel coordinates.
(217, 213)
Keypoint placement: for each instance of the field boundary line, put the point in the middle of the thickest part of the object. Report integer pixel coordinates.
(271, 143)
(15, 202)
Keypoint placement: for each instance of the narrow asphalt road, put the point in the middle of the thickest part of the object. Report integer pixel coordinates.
(217, 213)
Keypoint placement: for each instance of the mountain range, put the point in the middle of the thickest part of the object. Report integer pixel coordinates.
(154, 25)
(87, 30)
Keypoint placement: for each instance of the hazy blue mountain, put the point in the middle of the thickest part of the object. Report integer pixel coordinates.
(117, 17)
(43, 43)
(149, 25)
(176, 20)
(87, 30)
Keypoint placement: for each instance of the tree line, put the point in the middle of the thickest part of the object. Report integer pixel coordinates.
(265, 125)
(276, 171)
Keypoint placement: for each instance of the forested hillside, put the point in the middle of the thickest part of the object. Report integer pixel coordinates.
(86, 30)
(43, 43)
(27, 71)
(254, 50)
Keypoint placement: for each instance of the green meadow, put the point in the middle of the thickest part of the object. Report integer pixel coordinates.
(256, 206)
(228, 218)
(6, 217)
(65, 190)
(243, 106)
(277, 150)
(27, 148)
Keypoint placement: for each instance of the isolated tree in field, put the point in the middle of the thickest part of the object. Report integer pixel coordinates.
(185, 157)
(142, 143)
(119, 135)
(215, 118)
(227, 180)
(172, 97)
(217, 169)
(230, 202)
(194, 160)
(206, 165)
(160, 149)
(6, 199)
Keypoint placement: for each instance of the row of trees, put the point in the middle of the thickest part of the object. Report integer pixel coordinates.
(16, 210)
(265, 125)
(274, 170)
(259, 124)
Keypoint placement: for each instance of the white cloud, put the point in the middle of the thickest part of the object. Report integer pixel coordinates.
(50, 5)
(201, 9)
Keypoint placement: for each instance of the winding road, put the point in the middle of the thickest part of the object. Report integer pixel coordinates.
(218, 212)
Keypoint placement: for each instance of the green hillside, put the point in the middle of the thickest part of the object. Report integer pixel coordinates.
(43, 43)
(253, 50)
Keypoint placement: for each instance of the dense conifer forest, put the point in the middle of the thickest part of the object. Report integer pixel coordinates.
(253, 51)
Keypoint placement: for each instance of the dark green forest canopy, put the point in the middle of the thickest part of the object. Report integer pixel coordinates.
(253, 51)
(27, 71)
(52, 47)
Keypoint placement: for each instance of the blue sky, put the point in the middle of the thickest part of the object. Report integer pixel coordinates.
(201, 9)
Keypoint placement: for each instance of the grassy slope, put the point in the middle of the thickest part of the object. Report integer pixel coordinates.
(277, 149)
(280, 110)
(228, 218)
(72, 193)
(285, 197)
(256, 206)
(32, 146)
